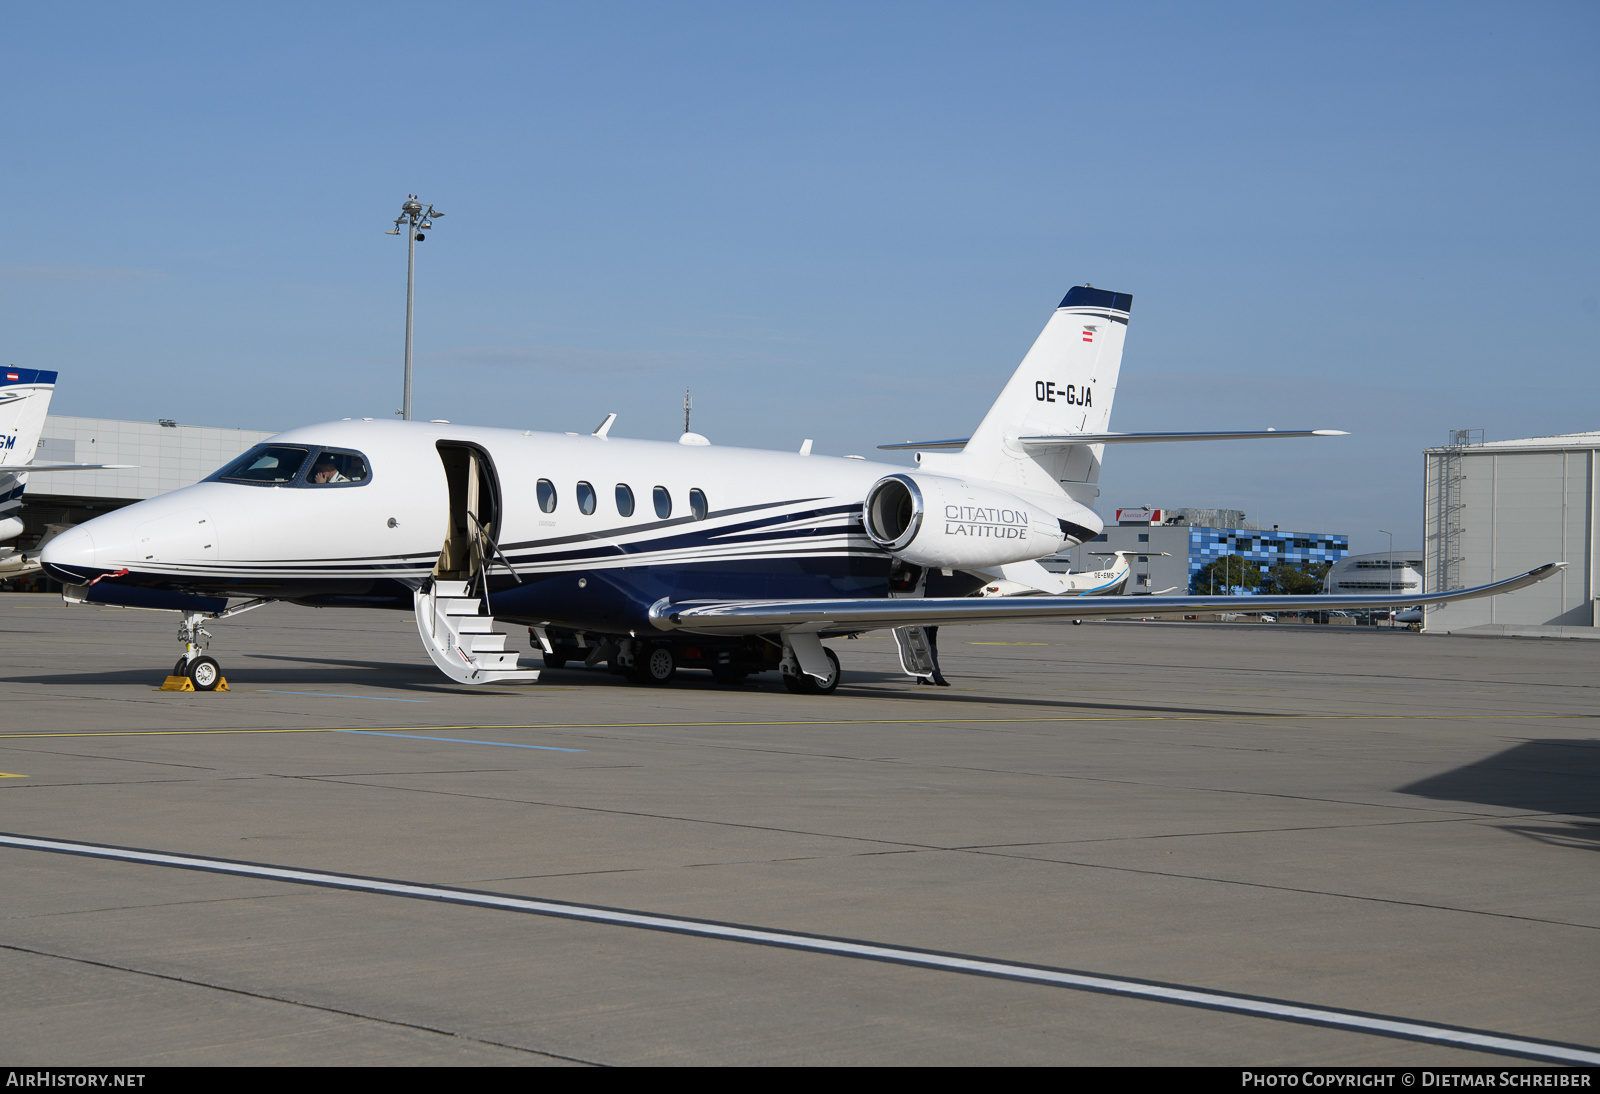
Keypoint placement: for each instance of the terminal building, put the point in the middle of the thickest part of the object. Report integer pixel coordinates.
(1172, 546)
(1497, 509)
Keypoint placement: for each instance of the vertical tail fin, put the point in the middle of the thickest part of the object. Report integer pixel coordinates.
(24, 401)
(1064, 385)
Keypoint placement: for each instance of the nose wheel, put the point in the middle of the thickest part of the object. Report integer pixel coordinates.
(200, 670)
(204, 673)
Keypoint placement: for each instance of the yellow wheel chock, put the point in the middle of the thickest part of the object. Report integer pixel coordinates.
(183, 683)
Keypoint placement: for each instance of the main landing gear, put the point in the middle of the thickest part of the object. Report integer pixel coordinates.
(658, 661)
(804, 684)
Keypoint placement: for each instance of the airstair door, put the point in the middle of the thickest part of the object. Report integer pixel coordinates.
(453, 608)
(473, 526)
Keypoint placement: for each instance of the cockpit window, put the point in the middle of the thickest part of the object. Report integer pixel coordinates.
(332, 467)
(268, 464)
(296, 465)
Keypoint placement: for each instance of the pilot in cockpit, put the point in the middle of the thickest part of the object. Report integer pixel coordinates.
(324, 471)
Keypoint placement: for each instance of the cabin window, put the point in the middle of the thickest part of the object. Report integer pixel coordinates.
(266, 464)
(586, 498)
(624, 499)
(663, 502)
(334, 468)
(697, 503)
(547, 495)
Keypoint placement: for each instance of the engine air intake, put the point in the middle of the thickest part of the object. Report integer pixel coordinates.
(893, 512)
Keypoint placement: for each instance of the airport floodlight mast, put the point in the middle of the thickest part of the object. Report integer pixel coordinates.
(417, 220)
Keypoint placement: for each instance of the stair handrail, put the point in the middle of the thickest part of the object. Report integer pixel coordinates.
(495, 552)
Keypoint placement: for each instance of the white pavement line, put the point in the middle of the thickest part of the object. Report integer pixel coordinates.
(1280, 1010)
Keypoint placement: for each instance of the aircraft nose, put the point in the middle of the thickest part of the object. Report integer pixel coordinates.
(70, 557)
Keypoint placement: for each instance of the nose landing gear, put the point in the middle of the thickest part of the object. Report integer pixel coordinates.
(196, 670)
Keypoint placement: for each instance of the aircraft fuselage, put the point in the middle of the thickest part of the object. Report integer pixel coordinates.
(705, 521)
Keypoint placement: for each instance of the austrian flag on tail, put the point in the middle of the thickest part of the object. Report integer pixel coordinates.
(1088, 334)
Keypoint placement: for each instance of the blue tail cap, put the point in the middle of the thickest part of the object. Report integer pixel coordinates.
(1083, 296)
(9, 376)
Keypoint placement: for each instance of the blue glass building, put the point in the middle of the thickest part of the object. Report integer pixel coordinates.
(1263, 549)
(1167, 557)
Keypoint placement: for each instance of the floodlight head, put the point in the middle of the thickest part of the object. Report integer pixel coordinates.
(392, 232)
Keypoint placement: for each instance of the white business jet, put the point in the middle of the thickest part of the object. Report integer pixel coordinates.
(24, 402)
(648, 555)
(1109, 580)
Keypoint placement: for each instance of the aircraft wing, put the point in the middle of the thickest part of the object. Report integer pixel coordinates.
(840, 616)
(50, 465)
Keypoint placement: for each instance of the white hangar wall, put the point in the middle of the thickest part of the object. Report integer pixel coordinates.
(165, 457)
(1494, 510)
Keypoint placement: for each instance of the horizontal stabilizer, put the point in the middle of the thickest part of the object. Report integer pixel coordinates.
(1062, 440)
(845, 616)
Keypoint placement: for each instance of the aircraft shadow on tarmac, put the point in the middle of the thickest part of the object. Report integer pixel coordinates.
(327, 673)
(1548, 776)
(865, 683)
(246, 671)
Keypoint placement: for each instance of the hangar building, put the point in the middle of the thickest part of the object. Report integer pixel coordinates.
(167, 455)
(1497, 509)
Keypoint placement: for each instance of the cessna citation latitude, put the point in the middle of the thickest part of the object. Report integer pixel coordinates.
(650, 555)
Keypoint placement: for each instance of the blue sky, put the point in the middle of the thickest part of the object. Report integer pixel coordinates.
(845, 222)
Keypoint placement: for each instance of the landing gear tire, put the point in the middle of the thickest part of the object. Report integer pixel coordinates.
(205, 673)
(181, 668)
(804, 684)
(655, 666)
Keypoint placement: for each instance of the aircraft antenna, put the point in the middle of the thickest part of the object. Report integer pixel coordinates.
(688, 405)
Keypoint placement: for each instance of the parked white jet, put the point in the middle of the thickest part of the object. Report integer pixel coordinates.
(24, 402)
(653, 555)
(1035, 578)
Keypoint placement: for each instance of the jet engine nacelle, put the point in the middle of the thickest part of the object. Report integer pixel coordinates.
(932, 521)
